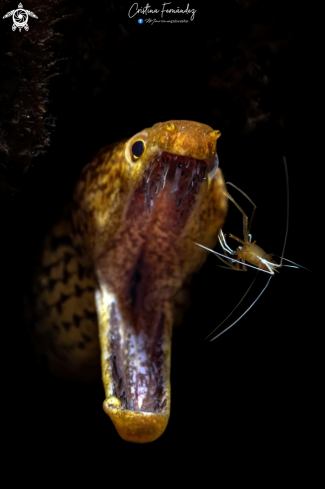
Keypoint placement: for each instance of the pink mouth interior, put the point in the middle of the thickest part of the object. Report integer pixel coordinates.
(167, 192)
(178, 178)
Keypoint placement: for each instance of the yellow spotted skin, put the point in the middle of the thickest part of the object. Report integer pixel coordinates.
(118, 264)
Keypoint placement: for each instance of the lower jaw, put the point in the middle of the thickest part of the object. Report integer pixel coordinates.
(135, 426)
(135, 371)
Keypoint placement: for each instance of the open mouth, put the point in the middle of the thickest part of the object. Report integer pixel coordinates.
(177, 177)
(135, 312)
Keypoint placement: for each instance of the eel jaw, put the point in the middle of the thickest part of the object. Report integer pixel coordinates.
(137, 427)
(135, 370)
(134, 303)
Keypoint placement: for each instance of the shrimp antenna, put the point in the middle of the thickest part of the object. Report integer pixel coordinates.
(232, 324)
(294, 263)
(233, 308)
(287, 226)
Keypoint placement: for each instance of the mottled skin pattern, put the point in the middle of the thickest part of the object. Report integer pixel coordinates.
(65, 327)
(118, 263)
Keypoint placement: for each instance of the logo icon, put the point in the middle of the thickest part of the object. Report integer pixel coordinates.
(20, 18)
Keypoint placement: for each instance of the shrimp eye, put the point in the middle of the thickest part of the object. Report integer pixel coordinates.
(138, 148)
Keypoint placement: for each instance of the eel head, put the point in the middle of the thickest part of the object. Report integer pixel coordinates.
(138, 209)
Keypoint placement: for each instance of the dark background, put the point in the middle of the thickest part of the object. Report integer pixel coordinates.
(248, 69)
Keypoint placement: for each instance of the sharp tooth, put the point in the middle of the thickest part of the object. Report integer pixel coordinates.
(193, 170)
(163, 404)
(156, 407)
(164, 175)
(157, 184)
(150, 171)
(177, 176)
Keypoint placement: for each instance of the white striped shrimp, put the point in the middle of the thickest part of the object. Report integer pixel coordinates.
(249, 254)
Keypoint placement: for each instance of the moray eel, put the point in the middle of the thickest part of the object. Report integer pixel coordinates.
(112, 274)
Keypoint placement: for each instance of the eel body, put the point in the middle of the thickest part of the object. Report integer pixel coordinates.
(113, 273)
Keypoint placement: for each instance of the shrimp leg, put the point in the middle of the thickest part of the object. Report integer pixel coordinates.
(250, 200)
(245, 218)
(226, 248)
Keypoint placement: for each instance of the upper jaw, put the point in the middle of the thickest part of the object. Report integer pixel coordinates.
(178, 178)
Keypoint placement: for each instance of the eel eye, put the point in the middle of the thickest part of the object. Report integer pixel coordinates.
(138, 148)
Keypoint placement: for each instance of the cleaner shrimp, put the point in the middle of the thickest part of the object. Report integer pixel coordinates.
(249, 254)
